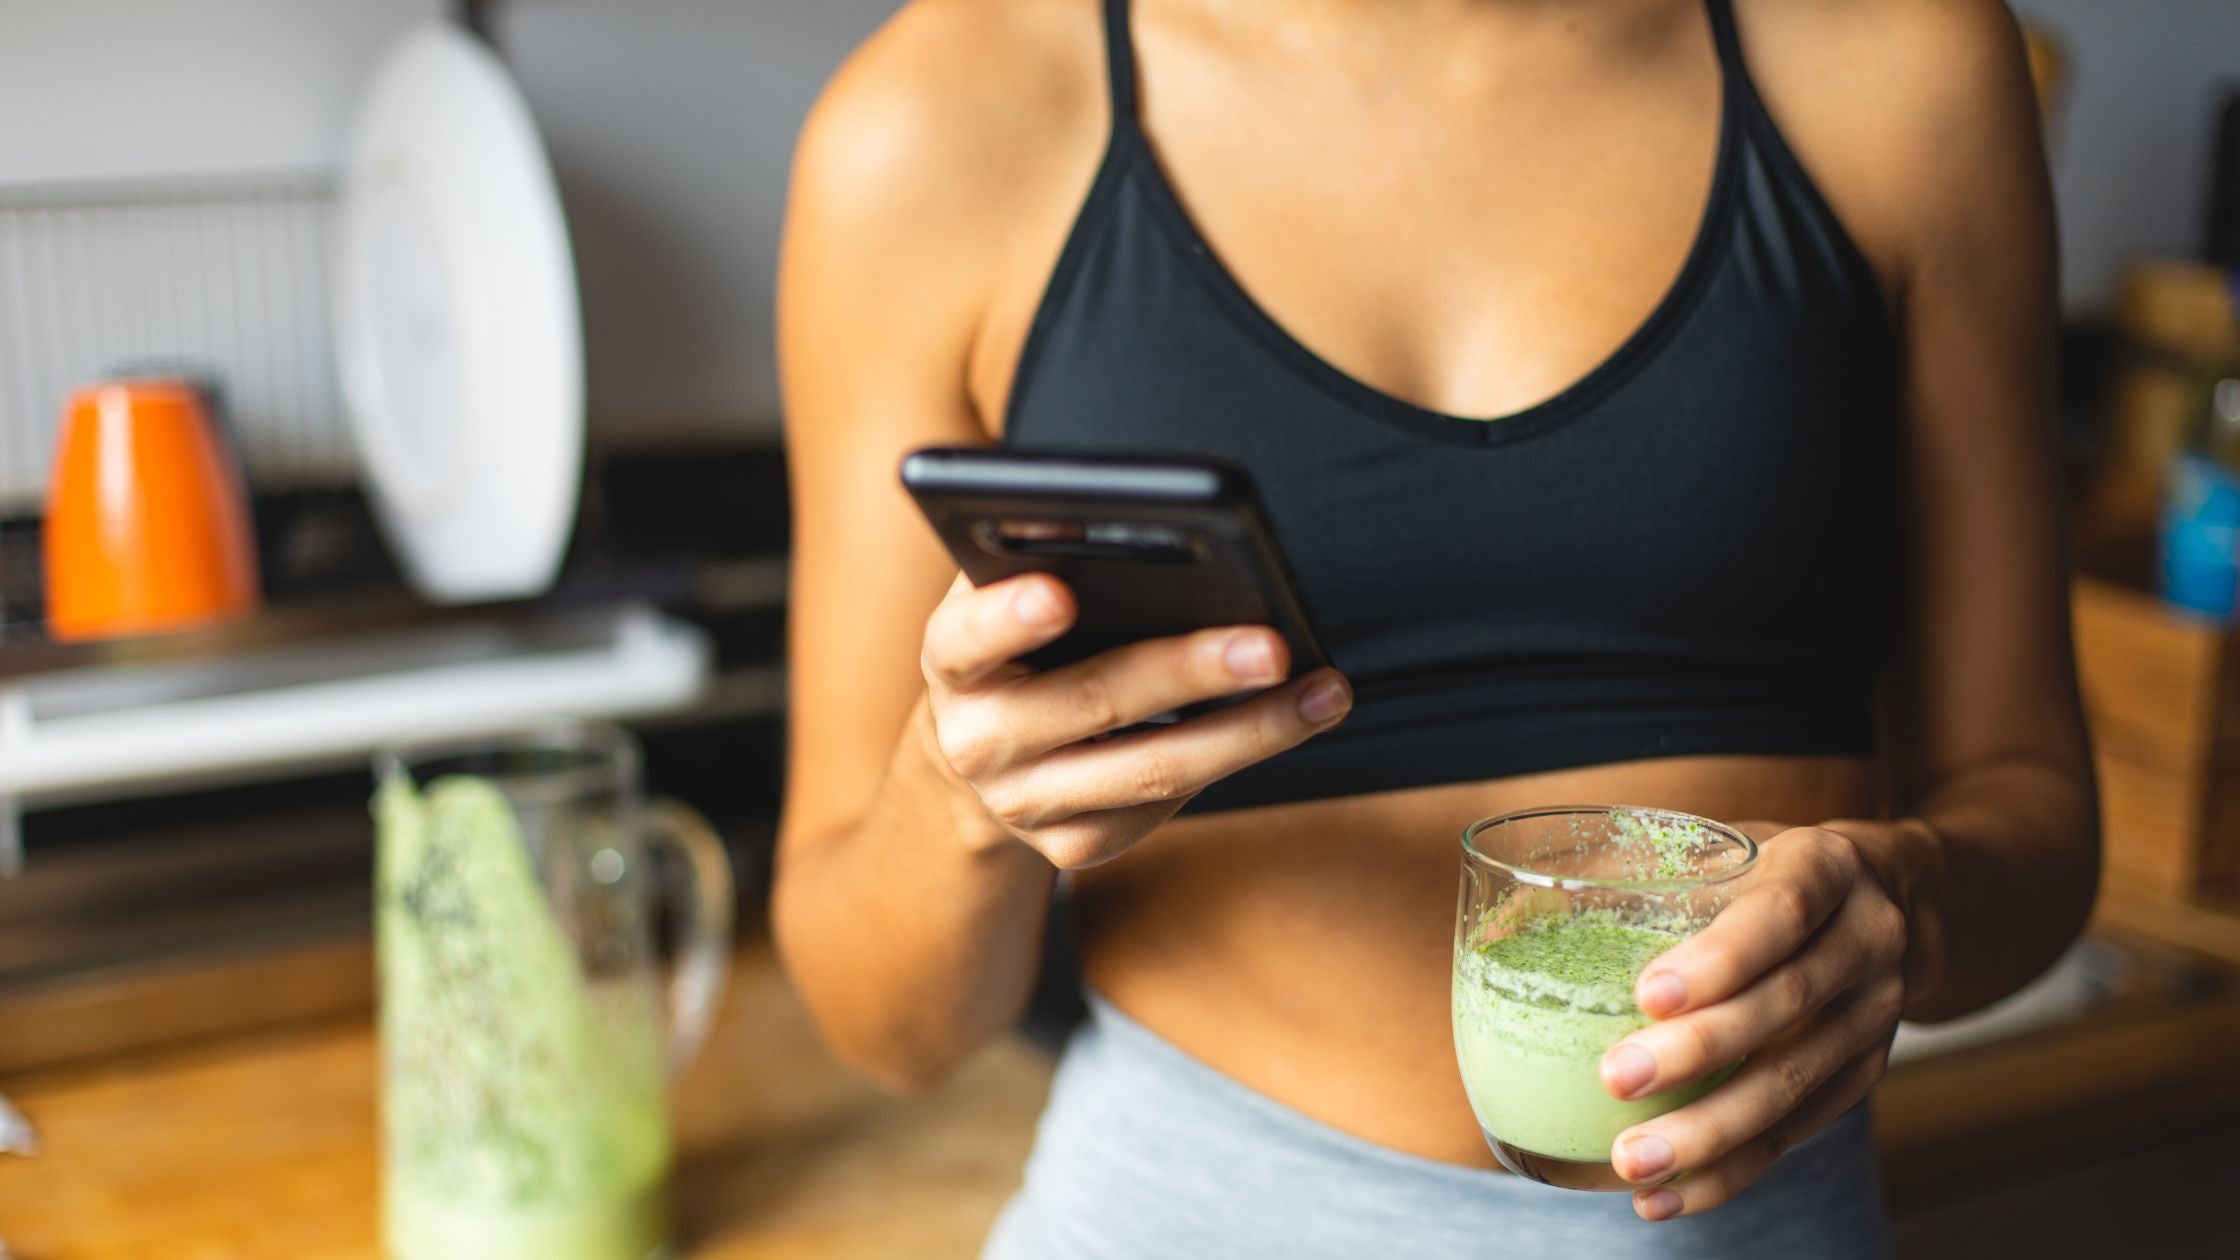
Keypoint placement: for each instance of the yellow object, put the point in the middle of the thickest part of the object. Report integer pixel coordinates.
(2049, 67)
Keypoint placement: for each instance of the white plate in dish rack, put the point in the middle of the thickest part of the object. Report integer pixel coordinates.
(458, 336)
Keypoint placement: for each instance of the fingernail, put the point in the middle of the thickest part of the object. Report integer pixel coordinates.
(1036, 606)
(1324, 701)
(1248, 657)
(1657, 1205)
(1647, 1156)
(1660, 993)
(1627, 1069)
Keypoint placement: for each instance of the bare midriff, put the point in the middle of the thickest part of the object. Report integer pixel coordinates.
(1306, 950)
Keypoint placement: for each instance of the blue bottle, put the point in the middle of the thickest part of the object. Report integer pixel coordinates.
(2201, 498)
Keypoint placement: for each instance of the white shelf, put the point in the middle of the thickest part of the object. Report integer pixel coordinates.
(99, 733)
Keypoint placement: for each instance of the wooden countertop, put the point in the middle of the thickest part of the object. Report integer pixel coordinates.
(264, 1145)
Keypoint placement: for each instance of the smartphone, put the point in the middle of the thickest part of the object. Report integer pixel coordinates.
(1151, 545)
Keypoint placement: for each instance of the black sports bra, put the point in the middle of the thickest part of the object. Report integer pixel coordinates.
(1690, 551)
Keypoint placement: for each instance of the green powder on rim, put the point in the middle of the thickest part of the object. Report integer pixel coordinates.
(1661, 846)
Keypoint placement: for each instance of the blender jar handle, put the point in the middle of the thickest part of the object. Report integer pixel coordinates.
(703, 952)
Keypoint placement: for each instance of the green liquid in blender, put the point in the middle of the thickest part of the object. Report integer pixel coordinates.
(523, 1107)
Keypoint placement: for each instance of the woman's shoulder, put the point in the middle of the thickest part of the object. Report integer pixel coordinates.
(933, 180)
(959, 98)
(1884, 37)
(944, 151)
(1903, 111)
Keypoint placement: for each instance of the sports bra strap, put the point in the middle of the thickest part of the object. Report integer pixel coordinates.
(1732, 69)
(1120, 64)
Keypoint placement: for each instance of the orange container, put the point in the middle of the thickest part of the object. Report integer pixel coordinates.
(147, 528)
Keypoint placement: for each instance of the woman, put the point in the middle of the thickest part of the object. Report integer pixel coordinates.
(1760, 298)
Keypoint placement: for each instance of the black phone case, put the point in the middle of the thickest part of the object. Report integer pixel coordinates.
(1151, 545)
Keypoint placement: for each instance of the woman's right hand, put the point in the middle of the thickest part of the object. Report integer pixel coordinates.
(1027, 745)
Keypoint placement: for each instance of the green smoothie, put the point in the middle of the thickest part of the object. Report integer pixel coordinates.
(1533, 1012)
(523, 1105)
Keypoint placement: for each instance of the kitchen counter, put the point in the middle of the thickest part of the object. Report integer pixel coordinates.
(263, 1144)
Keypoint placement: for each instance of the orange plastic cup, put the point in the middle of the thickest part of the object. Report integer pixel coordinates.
(147, 528)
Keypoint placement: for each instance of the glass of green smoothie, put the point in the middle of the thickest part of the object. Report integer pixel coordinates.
(524, 1058)
(1561, 908)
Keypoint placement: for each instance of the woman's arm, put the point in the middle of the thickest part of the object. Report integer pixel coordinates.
(1999, 862)
(1852, 923)
(909, 931)
(933, 787)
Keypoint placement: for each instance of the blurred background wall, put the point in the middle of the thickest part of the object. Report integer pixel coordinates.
(96, 89)
(2131, 143)
(672, 124)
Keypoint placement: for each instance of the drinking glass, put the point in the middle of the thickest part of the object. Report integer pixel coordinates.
(524, 1061)
(1561, 908)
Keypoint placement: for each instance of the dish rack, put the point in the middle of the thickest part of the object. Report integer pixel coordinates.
(226, 274)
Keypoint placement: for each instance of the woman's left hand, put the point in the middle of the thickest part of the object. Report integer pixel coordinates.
(1801, 977)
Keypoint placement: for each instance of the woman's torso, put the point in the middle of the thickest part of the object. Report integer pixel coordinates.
(1521, 200)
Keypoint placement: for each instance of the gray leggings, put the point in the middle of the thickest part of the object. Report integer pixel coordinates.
(1144, 1152)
